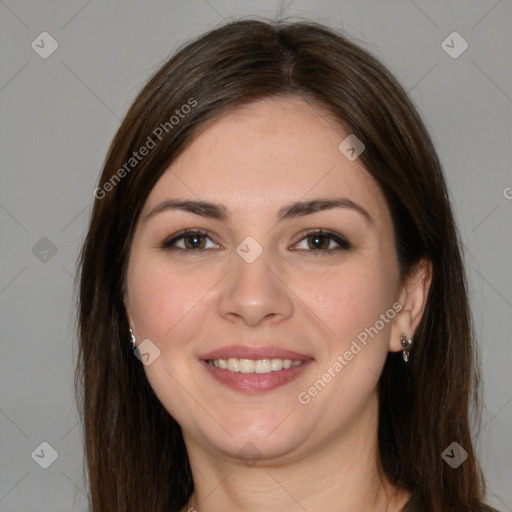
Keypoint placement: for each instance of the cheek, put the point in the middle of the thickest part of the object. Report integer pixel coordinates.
(167, 306)
(356, 303)
(162, 295)
(350, 300)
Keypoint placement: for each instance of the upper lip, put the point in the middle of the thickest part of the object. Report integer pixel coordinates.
(253, 352)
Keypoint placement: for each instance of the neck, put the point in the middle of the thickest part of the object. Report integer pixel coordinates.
(341, 474)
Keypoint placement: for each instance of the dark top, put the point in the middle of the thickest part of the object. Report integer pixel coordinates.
(414, 505)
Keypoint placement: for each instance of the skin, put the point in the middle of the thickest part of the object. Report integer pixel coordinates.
(319, 456)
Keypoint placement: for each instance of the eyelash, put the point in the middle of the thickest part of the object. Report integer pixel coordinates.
(343, 244)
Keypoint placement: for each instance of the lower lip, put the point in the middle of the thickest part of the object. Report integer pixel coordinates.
(255, 382)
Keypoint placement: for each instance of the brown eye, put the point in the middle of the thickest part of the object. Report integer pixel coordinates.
(318, 241)
(193, 240)
(321, 241)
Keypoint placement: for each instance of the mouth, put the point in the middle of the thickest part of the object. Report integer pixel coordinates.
(254, 369)
(234, 364)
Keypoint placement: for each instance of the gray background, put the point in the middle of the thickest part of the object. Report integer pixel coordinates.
(60, 113)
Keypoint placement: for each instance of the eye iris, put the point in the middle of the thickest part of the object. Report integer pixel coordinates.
(195, 238)
(316, 238)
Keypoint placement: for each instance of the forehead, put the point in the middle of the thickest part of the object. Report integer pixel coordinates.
(267, 153)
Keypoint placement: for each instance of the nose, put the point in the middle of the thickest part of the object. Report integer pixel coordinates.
(255, 293)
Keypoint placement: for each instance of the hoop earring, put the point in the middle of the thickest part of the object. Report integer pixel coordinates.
(407, 344)
(133, 340)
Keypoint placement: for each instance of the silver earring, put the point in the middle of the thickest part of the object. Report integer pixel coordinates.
(406, 343)
(133, 339)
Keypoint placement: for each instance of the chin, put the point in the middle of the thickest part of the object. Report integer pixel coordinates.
(251, 449)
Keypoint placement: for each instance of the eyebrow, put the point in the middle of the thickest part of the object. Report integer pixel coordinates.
(297, 209)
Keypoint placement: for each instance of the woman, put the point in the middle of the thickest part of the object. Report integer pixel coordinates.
(273, 311)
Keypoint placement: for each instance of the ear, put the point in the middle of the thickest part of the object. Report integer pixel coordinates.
(413, 296)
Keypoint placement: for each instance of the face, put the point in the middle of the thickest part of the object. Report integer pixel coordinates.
(264, 284)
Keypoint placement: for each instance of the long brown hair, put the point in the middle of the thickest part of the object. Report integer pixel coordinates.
(135, 455)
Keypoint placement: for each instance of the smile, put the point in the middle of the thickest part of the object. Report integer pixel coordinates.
(254, 369)
(254, 365)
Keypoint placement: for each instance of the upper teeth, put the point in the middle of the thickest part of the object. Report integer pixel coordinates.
(253, 366)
